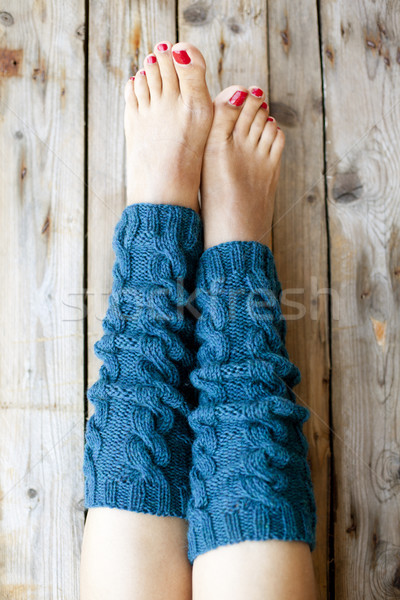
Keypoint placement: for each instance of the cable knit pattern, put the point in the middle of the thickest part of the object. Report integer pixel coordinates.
(250, 479)
(138, 442)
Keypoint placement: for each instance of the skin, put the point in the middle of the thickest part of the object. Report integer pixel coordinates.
(177, 140)
(240, 169)
(133, 556)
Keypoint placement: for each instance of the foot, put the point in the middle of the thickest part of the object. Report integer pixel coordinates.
(168, 115)
(240, 169)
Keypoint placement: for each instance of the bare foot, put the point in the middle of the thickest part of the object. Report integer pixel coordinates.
(240, 169)
(168, 116)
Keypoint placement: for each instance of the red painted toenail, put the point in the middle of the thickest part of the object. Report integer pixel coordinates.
(162, 47)
(257, 92)
(238, 98)
(142, 72)
(264, 105)
(131, 79)
(270, 119)
(181, 57)
(151, 59)
(278, 127)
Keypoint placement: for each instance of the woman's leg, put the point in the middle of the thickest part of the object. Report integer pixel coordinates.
(252, 511)
(138, 443)
(128, 555)
(260, 570)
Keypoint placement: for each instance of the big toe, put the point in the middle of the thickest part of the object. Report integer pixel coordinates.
(190, 67)
(227, 109)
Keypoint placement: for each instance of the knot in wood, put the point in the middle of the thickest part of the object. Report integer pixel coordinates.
(347, 187)
(197, 13)
(6, 19)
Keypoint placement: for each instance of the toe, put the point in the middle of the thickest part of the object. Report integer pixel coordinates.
(142, 88)
(258, 124)
(129, 92)
(153, 75)
(227, 107)
(190, 67)
(278, 144)
(268, 135)
(253, 102)
(169, 79)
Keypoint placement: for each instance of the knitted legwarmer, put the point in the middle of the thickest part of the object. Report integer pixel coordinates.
(138, 443)
(250, 479)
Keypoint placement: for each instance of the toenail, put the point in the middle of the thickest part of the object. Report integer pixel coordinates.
(270, 119)
(131, 79)
(143, 72)
(162, 47)
(181, 57)
(264, 105)
(278, 127)
(257, 92)
(238, 98)
(151, 59)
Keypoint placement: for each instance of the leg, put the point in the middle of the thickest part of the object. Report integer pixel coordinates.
(251, 514)
(137, 452)
(128, 555)
(260, 570)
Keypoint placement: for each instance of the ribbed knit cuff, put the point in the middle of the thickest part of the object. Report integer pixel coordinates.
(159, 224)
(138, 443)
(237, 261)
(150, 497)
(209, 530)
(250, 479)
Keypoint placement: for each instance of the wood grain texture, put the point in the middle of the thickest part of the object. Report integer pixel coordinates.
(362, 79)
(232, 37)
(299, 234)
(120, 36)
(41, 250)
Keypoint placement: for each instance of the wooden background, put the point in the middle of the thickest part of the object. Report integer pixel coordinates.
(332, 71)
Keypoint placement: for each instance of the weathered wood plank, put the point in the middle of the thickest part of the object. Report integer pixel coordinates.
(232, 37)
(361, 65)
(41, 264)
(120, 37)
(299, 233)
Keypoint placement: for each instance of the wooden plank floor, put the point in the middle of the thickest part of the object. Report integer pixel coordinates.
(331, 70)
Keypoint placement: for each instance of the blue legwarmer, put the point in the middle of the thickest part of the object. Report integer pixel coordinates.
(138, 442)
(250, 479)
